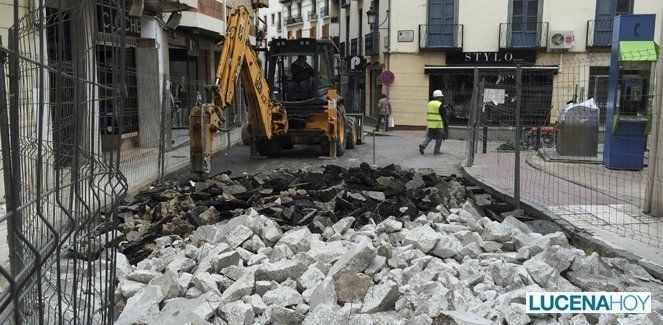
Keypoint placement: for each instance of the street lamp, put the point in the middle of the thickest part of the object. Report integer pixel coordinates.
(370, 14)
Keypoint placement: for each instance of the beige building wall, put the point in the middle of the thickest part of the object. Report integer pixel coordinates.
(409, 92)
(573, 73)
(481, 22)
(409, 19)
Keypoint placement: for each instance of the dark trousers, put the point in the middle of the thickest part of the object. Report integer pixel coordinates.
(428, 139)
(379, 123)
(433, 134)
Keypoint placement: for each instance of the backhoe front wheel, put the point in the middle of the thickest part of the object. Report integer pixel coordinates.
(268, 147)
(341, 138)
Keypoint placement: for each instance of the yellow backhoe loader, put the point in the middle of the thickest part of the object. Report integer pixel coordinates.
(296, 103)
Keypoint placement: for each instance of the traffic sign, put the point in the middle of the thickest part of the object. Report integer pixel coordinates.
(386, 77)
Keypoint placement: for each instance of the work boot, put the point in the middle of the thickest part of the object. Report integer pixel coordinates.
(421, 149)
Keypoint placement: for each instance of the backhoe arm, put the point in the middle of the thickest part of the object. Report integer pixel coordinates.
(238, 61)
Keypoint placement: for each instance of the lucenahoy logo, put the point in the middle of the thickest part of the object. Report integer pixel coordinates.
(588, 302)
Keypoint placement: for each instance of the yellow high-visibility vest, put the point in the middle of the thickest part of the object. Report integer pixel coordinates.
(433, 115)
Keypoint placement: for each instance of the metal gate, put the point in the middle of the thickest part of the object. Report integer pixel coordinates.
(57, 263)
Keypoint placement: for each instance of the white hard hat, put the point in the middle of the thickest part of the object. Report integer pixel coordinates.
(438, 93)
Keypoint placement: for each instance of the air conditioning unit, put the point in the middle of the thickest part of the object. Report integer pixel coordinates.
(561, 40)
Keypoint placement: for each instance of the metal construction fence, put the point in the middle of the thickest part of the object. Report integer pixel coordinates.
(80, 129)
(62, 193)
(547, 138)
(160, 145)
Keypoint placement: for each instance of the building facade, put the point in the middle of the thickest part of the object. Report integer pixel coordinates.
(435, 44)
(310, 18)
(271, 21)
(370, 43)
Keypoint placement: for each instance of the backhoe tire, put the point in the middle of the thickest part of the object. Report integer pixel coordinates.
(287, 143)
(268, 147)
(246, 135)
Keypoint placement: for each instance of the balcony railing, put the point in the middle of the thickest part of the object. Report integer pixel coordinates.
(312, 15)
(294, 20)
(599, 33)
(372, 43)
(440, 37)
(532, 35)
(324, 11)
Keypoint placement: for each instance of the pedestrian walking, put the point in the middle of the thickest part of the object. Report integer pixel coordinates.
(384, 110)
(436, 127)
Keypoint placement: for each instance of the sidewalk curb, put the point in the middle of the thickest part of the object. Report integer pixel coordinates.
(577, 236)
(177, 168)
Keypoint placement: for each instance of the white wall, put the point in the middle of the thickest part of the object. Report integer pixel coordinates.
(198, 20)
(560, 18)
(356, 8)
(274, 8)
(407, 20)
(150, 28)
(650, 7)
(481, 23)
(307, 23)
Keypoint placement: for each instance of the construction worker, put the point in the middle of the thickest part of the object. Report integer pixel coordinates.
(436, 127)
(301, 70)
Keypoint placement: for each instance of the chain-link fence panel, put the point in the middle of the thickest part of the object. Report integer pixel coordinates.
(61, 175)
(577, 140)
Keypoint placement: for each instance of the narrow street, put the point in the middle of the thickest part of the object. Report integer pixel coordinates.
(398, 147)
(129, 197)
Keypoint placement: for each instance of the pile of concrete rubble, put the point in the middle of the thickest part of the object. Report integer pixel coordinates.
(313, 197)
(356, 246)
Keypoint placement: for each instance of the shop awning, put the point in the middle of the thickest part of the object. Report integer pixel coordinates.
(638, 51)
(433, 69)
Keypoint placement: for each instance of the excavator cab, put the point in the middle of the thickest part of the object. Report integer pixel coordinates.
(301, 70)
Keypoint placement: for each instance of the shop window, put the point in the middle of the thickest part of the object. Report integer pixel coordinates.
(109, 122)
(598, 88)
